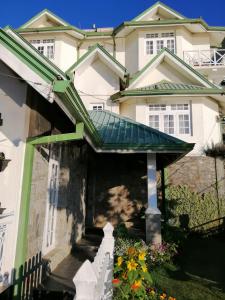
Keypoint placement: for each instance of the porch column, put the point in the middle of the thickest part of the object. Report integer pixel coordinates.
(152, 214)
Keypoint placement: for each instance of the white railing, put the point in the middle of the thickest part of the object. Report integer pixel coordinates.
(205, 58)
(5, 222)
(93, 281)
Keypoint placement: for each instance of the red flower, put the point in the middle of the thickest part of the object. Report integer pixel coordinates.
(116, 281)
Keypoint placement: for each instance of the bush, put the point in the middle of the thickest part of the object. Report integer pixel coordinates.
(187, 209)
(161, 254)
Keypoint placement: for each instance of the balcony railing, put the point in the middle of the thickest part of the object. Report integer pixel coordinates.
(205, 58)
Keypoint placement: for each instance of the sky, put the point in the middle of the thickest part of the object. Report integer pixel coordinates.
(105, 13)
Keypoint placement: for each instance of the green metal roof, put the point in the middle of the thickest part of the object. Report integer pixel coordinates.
(121, 133)
(168, 88)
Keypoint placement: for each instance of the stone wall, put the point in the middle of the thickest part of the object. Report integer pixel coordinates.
(117, 188)
(202, 174)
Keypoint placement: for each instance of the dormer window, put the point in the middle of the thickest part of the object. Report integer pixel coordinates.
(45, 47)
(155, 42)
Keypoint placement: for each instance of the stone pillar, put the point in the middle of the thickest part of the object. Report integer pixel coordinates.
(152, 214)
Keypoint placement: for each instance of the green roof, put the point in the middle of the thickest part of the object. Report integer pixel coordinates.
(118, 132)
(179, 60)
(90, 52)
(168, 88)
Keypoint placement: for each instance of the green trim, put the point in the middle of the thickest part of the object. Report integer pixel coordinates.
(139, 73)
(50, 29)
(39, 67)
(71, 99)
(21, 247)
(91, 52)
(153, 6)
(167, 22)
(157, 148)
(41, 13)
(99, 33)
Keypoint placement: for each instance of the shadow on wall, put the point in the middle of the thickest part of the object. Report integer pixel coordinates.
(117, 190)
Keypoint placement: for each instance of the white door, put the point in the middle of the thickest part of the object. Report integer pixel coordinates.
(51, 207)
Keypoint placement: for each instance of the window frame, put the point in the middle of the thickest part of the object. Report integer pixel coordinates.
(92, 105)
(181, 108)
(46, 44)
(160, 41)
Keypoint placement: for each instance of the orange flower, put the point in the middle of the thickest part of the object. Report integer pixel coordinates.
(115, 281)
(163, 296)
(131, 251)
(172, 298)
(136, 285)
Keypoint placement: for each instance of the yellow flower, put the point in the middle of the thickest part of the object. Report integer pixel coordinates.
(172, 298)
(152, 292)
(142, 255)
(136, 285)
(119, 261)
(144, 268)
(131, 265)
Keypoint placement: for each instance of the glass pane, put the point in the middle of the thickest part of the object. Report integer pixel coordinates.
(160, 45)
(169, 124)
(50, 52)
(41, 49)
(184, 124)
(157, 107)
(171, 45)
(154, 122)
(149, 47)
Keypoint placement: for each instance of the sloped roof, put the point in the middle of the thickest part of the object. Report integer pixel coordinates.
(122, 133)
(102, 52)
(167, 53)
(168, 88)
(159, 4)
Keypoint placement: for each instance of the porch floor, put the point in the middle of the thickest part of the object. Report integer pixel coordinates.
(61, 279)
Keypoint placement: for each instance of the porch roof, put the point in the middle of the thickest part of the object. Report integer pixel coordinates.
(121, 133)
(168, 88)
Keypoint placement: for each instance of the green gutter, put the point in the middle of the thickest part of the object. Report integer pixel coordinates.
(21, 248)
(167, 22)
(89, 52)
(70, 98)
(53, 28)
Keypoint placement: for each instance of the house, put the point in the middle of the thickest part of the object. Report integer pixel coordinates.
(91, 118)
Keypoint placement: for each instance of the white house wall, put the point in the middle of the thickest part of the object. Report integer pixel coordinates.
(12, 144)
(132, 52)
(99, 82)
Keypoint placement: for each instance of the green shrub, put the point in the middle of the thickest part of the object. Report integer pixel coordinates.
(188, 209)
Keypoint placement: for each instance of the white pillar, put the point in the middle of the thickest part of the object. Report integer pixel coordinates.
(153, 214)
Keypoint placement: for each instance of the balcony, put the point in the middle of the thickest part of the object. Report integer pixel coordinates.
(205, 58)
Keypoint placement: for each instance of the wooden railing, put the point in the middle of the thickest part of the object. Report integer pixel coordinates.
(93, 281)
(205, 58)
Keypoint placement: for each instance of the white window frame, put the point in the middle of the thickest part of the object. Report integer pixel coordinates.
(175, 110)
(97, 106)
(47, 45)
(154, 42)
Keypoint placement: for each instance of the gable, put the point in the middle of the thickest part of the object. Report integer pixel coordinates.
(44, 19)
(167, 66)
(158, 11)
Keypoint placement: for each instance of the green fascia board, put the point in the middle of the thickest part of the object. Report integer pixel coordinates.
(153, 6)
(39, 14)
(50, 29)
(163, 92)
(71, 100)
(98, 33)
(139, 73)
(48, 74)
(89, 52)
(167, 22)
(56, 69)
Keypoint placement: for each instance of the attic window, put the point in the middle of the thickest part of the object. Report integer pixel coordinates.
(45, 47)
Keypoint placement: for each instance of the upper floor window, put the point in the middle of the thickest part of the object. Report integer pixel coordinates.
(170, 118)
(155, 42)
(97, 106)
(45, 47)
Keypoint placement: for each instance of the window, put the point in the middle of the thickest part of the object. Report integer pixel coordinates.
(155, 42)
(97, 106)
(45, 47)
(170, 118)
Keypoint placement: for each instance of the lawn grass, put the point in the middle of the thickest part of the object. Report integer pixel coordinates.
(198, 273)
